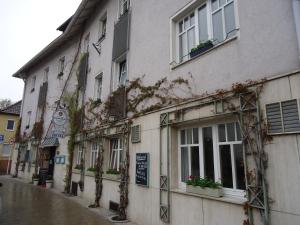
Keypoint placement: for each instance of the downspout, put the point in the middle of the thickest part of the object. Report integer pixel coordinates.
(296, 9)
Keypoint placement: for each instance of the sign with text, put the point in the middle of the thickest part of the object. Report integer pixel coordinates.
(142, 169)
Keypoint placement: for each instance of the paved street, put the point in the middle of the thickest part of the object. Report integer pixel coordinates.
(23, 204)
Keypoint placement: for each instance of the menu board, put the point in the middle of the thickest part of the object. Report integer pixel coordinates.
(142, 169)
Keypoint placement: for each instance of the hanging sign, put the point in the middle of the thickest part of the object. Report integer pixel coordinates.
(59, 120)
(142, 169)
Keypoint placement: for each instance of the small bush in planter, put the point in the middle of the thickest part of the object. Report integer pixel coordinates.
(202, 47)
(92, 169)
(78, 167)
(203, 182)
(113, 172)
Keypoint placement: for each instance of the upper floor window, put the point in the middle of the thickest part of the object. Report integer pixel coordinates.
(102, 26)
(124, 6)
(213, 21)
(33, 84)
(61, 66)
(283, 117)
(98, 87)
(116, 154)
(122, 73)
(46, 74)
(10, 125)
(213, 152)
(86, 43)
(28, 119)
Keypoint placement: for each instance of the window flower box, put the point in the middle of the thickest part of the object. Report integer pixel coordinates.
(113, 174)
(202, 47)
(203, 186)
(213, 192)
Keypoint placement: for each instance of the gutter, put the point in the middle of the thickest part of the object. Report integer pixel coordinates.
(296, 9)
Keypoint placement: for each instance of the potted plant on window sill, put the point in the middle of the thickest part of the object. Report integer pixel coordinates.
(91, 171)
(203, 186)
(49, 182)
(113, 174)
(202, 47)
(35, 179)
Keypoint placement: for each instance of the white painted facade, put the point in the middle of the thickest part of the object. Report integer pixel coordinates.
(264, 46)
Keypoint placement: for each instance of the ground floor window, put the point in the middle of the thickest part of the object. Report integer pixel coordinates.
(213, 152)
(79, 155)
(116, 154)
(94, 154)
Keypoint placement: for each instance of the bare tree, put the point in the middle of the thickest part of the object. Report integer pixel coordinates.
(4, 103)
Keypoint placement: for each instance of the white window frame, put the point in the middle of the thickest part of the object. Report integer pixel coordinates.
(122, 73)
(61, 66)
(33, 81)
(13, 125)
(216, 155)
(115, 162)
(94, 154)
(98, 87)
(121, 6)
(46, 74)
(29, 113)
(79, 155)
(193, 7)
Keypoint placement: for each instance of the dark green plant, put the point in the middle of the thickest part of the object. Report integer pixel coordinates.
(202, 45)
(112, 171)
(92, 169)
(78, 167)
(203, 182)
(35, 176)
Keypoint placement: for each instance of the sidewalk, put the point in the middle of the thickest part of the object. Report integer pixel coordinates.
(102, 212)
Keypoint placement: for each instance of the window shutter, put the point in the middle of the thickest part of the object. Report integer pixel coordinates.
(290, 116)
(136, 134)
(274, 118)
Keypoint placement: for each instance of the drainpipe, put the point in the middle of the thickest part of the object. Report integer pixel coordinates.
(296, 9)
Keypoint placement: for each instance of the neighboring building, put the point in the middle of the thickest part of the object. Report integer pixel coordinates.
(170, 130)
(9, 121)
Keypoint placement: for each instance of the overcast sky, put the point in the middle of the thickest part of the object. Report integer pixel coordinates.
(27, 26)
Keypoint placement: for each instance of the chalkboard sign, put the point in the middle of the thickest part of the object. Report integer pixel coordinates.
(142, 169)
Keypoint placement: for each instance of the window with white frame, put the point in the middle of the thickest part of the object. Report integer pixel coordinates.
(79, 155)
(86, 43)
(33, 84)
(46, 73)
(213, 152)
(28, 119)
(6, 149)
(122, 73)
(124, 6)
(116, 154)
(98, 87)
(102, 27)
(94, 154)
(213, 20)
(61, 66)
(10, 125)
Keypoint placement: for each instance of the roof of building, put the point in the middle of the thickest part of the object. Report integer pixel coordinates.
(13, 109)
(70, 30)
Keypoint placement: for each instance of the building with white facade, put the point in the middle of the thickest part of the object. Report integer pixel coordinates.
(228, 110)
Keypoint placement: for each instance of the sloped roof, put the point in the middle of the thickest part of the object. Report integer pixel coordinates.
(72, 29)
(14, 109)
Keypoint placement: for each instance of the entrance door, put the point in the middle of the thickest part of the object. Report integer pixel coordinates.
(51, 164)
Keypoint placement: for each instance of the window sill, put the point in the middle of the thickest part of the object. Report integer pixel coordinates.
(232, 200)
(173, 67)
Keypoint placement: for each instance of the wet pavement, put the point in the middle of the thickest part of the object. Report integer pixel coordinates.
(24, 204)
